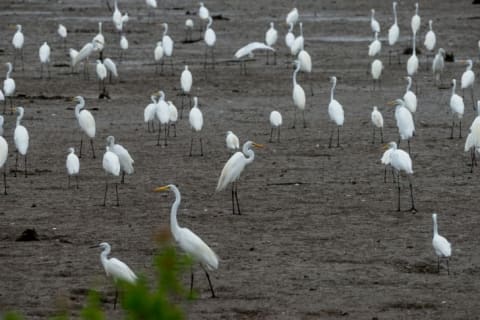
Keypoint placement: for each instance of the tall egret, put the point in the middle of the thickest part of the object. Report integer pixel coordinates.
(115, 268)
(298, 95)
(167, 44)
(210, 39)
(101, 74)
(393, 33)
(430, 38)
(62, 32)
(374, 23)
(306, 65)
(86, 123)
(248, 51)
(335, 112)
(376, 71)
(20, 137)
(292, 16)
(438, 65)
(186, 84)
(163, 115)
(149, 113)
(271, 37)
(457, 107)
(111, 68)
(375, 46)
(289, 37)
(195, 118)
(3, 155)
(468, 79)
(18, 41)
(126, 161)
(232, 141)
(158, 55)
(118, 19)
(123, 45)
(275, 122)
(233, 168)
(415, 22)
(8, 88)
(377, 121)
(73, 165)
(173, 117)
(441, 246)
(84, 54)
(406, 127)
(409, 97)
(192, 244)
(412, 63)
(401, 161)
(297, 44)
(111, 165)
(472, 143)
(188, 30)
(44, 55)
(203, 13)
(99, 41)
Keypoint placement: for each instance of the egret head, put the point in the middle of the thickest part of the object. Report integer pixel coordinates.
(19, 111)
(391, 145)
(110, 140)
(396, 102)
(19, 27)
(165, 25)
(333, 79)
(373, 12)
(441, 51)
(71, 150)
(272, 25)
(186, 68)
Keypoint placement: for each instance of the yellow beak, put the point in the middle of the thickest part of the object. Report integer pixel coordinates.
(256, 145)
(385, 147)
(160, 189)
(392, 103)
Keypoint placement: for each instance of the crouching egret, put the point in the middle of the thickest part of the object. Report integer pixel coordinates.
(86, 123)
(406, 127)
(195, 118)
(233, 168)
(335, 112)
(115, 268)
(73, 165)
(21, 140)
(3, 155)
(377, 121)
(111, 165)
(192, 244)
(232, 142)
(126, 161)
(441, 246)
(275, 122)
(62, 32)
(457, 107)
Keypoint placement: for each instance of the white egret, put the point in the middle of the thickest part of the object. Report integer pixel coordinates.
(62, 32)
(430, 38)
(438, 65)
(374, 23)
(101, 74)
(409, 97)
(401, 161)
(84, 54)
(173, 117)
(18, 42)
(123, 45)
(415, 22)
(306, 65)
(472, 143)
(393, 33)
(412, 63)
(86, 123)
(195, 118)
(186, 84)
(457, 107)
(73, 165)
(3, 155)
(275, 123)
(248, 51)
(151, 3)
(163, 115)
(298, 95)
(99, 41)
(118, 19)
(203, 12)
(188, 30)
(115, 268)
(297, 44)
(44, 55)
(111, 165)
(150, 112)
(376, 71)
(271, 37)
(385, 160)
(158, 55)
(21, 138)
(9, 88)
(72, 54)
(232, 141)
(335, 112)
(406, 127)
(167, 44)
(210, 39)
(2, 97)
(111, 67)
(377, 121)
(441, 246)
(126, 161)
(289, 37)
(375, 46)
(192, 244)
(468, 79)
(233, 168)
(292, 16)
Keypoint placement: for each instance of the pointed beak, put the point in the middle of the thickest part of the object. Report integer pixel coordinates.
(392, 103)
(160, 189)
(256, 145)
(95, 246)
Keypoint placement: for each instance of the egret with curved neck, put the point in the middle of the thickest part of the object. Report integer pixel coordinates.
(298, 95)
(441, 246)
(8, 88)
(86, 123)
(210, 39)
(21, 140)
(335, 112)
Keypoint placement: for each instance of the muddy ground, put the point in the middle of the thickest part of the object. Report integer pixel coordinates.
(319, 237)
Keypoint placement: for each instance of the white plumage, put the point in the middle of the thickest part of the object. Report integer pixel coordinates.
(111, 162)
(289, 37)
(468, 77)
(438, 64)
(18, 38)
(115, 268)
(62, 31)
(232, 141)
(412, 63)
(275, 119)
(110, 66)
(84, 53)
(335, 109)
(376, 69)
(186, 80)
(456, 102)
(374, 23)
(297, 44)
(298, 94)
(162, 109)
(404, 119)
(101, 70)
(415, 22)
(441, 246)
(99, 39)
(249, 48)
(20, 135)
(210, 37)
(375, 47)
(72, 163)
(292, 16)
(271, 35)
(195, 118)
(150, 111)
(430, 38)
(203, 12)
(173, 112)
(44, 53)
(305, 61)
(151, 3)
(85, 118)
(9, 83)
(167, 42)
(409, 97)
(377, 118)
(158, 52)
(400, 160)
(394, 31)
(126, 161)
(124, 42)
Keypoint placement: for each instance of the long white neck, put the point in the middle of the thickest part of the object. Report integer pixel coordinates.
(332, 92)
(416, 9)
(210, 21)
(301, 29)
(295, 75)
(469, 67)
(166, 29)
(116, 5)
(454, 86)
(409, 85)
(435, 227)
(104, 255)
(414, 52)
(430, 24)
(174, 227)
(20, 117)
(9, 70)
(248, 152)
(100, 27)
(395, 13)
(78, 107)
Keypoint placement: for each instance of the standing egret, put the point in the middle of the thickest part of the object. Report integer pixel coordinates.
(376, 71)
(203, 14)
(406, 127)
(430, 38)
(111, 67)
(84, 54)
(86, 123)
(275, 122)
(210, 39)
(149, 113)
(297, 44)
(8, 88)
(3, 155)
(457, 107)
(72, 53)
(111, 165)
(306, 65)
(289, 37)
(167, 44)
(195, 119)
(472, 143)
(393, 33)
(2, 97)
(248, 51)
(375, 46)
(62, 32)
(438, 65)
(158, 55)
(44, 55)
(233, 168)
(123, 46)
(441, 246)
(412, 63)
(415, 22)
(188, 30)
(118, 19)
(468, 79)
(232, 141)
(298, 95)
(374, 23)
(335, 112)
(385, 160)
(18, 41)
(20, 137)
(292, 16)
(377, 121)
(409, 97)
(186, 84)
(163, 115)
(115, 268)
(173, 117)
(192, 244)
(126, 161)
(73, 165)
(101, 74)
(99, 41)
(271, 37)
(401, 161)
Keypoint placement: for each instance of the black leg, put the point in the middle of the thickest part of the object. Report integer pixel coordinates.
(25, 165)
(191, 145)
(93, 149)
(191, 281)
(105, 196)
(115, 301)
(236, 199)
(331, 137)
(209, 282)
(438, 264)
(123, 177)
(16, 163)
(385, 175)
(81, 145)
(159, 133)
(233, 197)
(381, 134)
(451, 128)
(165, 135)
(448, 266)
(460, 129)
(398, 182)
(413, 209)
(201, 147)
(278, 134)
(271, 132)
(373, 136)
(116, 191)
(409, 151)
(76, 180)
(304, 122)
(294, 118)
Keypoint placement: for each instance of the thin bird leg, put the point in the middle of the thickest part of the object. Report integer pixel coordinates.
(271, 133)
(201, 147)
(331, 137)
(159, 133)
(191, 281)
(16, 163)
(233, 197)
(5, 105)
(460, 129)
(93, 149)
(338, 136)
(205, 58)
(209, 282)
(413, 209)
(14, 59)
(398, 181)
(76, 180)
(448, 266)
(181, 109)
(123, 177)
(191, 145)
(373, 137)
(393, 175)
(236, 198)
(409, 151)
(294, 118)
(21, 56)
(381, 134)
(115, 301)
(175, 130)
(5, 179)
(106, 189)
(267, 58)
(165, 135)
(275, 58)
(472, 156)
(41, 70)
(81, 143)
(473, 99)
(451, 129)
(304, 122)
(438, 264)
(48, 70)
(278, 134)
(385, 175)
(68, 181)
(116, 191)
